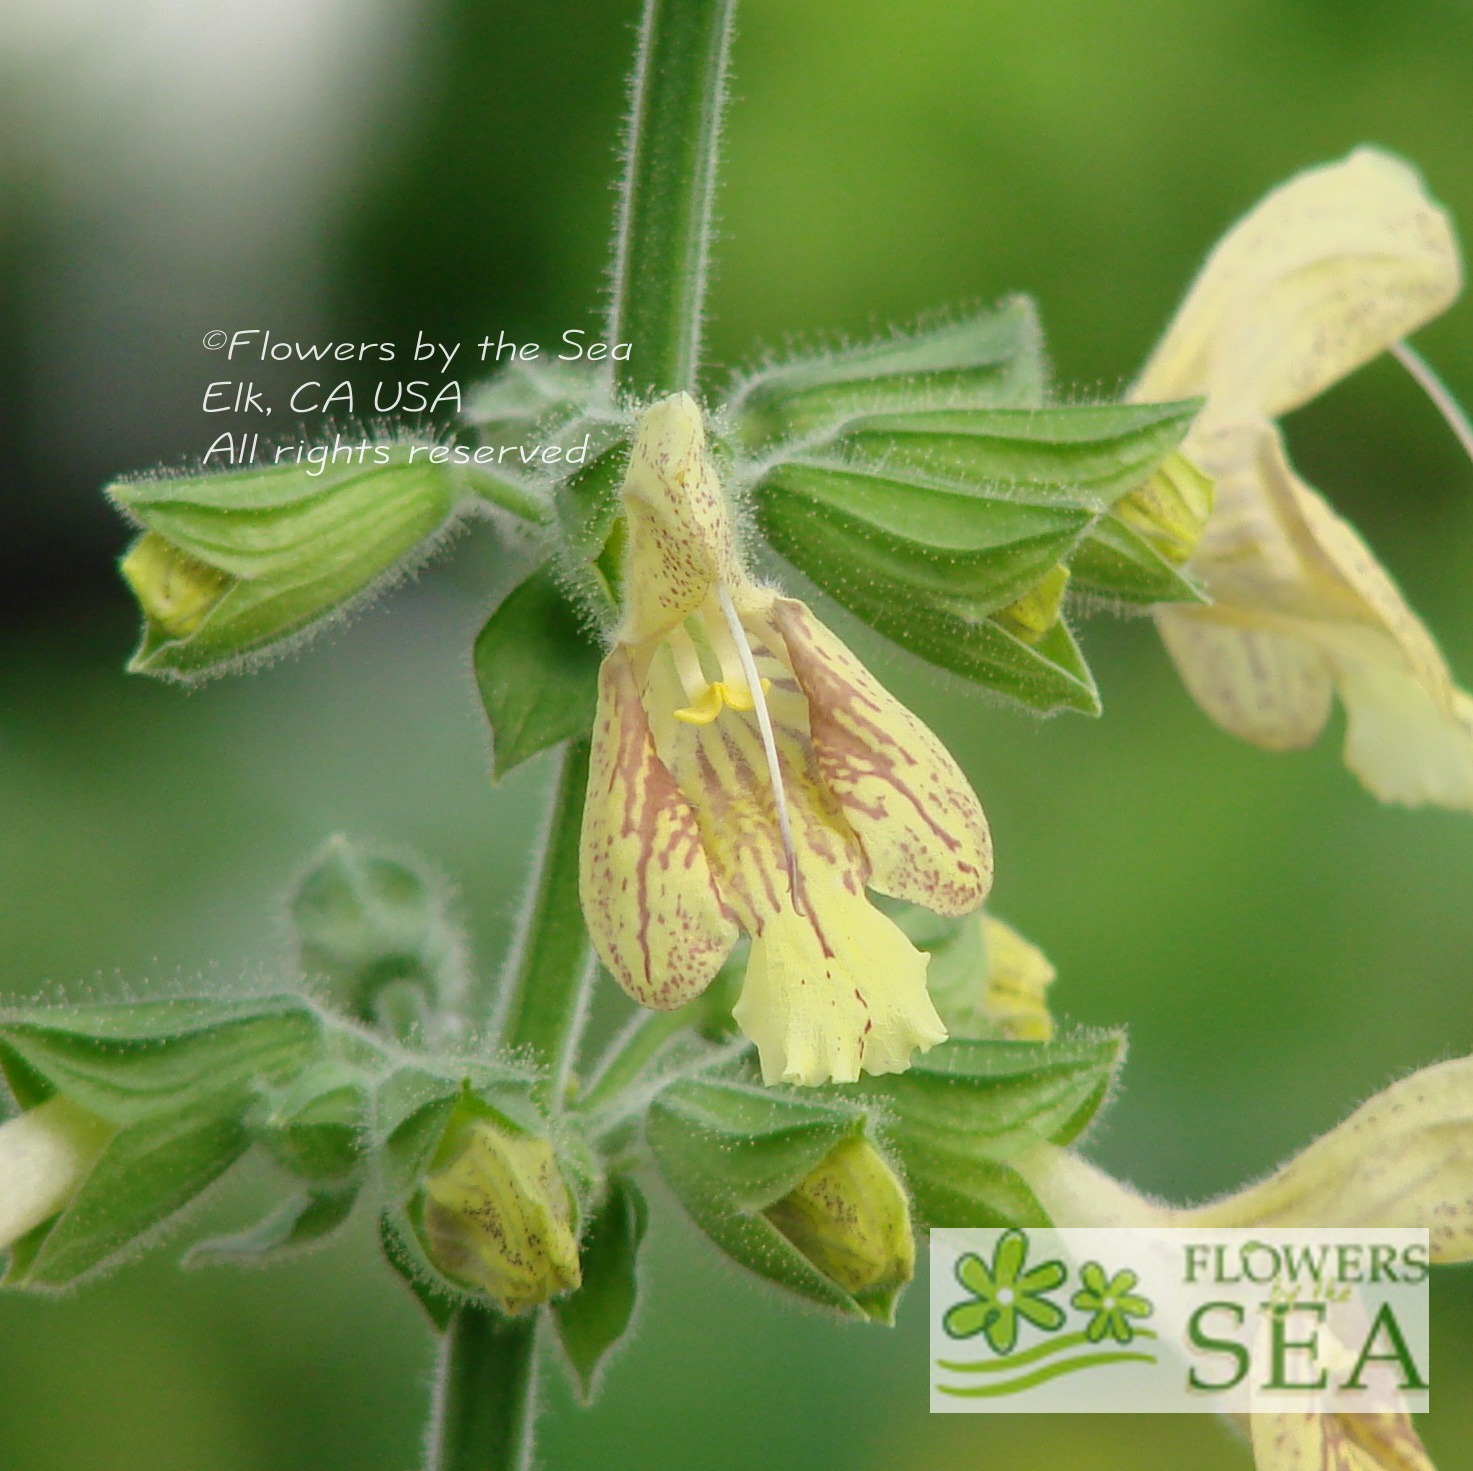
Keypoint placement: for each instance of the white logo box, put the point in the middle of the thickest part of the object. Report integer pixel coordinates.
(1147, 1320)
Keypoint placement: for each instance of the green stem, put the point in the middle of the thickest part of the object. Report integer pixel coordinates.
(664, 233)
(633, 1050)
(485, 1404)
(548, 994)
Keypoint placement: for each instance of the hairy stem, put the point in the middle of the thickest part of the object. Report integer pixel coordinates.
(485, 1403)
(632, 1052)
(548, 994)
(664, 236)
(486, 1400)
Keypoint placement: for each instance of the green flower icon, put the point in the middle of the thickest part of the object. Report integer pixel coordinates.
(1112, 1303)
(1002, 1292)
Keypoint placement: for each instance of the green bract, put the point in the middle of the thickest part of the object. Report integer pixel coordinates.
(929, 524)
(925, 481)
(177, 1082)
(732, 1149)
(991, 359)
(962, 1113)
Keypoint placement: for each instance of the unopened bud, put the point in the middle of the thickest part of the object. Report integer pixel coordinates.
(985, 979)
(1014, 1003)
(850, 1218)
(498, 1218)
(175, 591)
(232, 563)
(1171, 509)
(45, 1155)
(1038, 609)
(372, 930)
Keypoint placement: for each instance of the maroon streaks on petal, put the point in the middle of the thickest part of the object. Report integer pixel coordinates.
(914, 813)
(654, 912)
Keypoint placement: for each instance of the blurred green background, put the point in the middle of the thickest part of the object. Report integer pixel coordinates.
(1278, 944)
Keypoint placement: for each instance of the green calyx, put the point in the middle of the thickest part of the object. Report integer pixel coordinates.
(231, 565)
(926, 482)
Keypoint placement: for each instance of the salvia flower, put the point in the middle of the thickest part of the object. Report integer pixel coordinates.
(1405, 1158)
(749, 774)
(1327, 272)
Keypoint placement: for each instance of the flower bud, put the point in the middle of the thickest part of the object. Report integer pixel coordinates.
(985, 979)
(373, 932)
(1171, 509)
(45, 1154)
(1013, 1002)
(232, 563)
(850, 1218)
(1032, 615)
(497, 1216)
(175, 591)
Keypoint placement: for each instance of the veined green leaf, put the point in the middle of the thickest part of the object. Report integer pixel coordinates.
(927, 567)
(753, 1144)
(992, 358)
(536, 664)
(839, 526)
(1046, 676)
(1079, 454)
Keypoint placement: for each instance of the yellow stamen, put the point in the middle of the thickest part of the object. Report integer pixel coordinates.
(705, 707)
(758, 687)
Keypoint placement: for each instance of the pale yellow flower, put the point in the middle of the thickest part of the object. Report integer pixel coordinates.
(748, 773)
(1405, 1158)
(1310, 1442)
(1328, 271)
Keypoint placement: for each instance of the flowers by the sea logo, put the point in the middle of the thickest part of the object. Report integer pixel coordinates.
(1006, 1291)
(1146, 1319)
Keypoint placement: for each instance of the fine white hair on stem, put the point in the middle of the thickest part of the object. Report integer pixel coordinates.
(769, 743)
(1437, 391)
